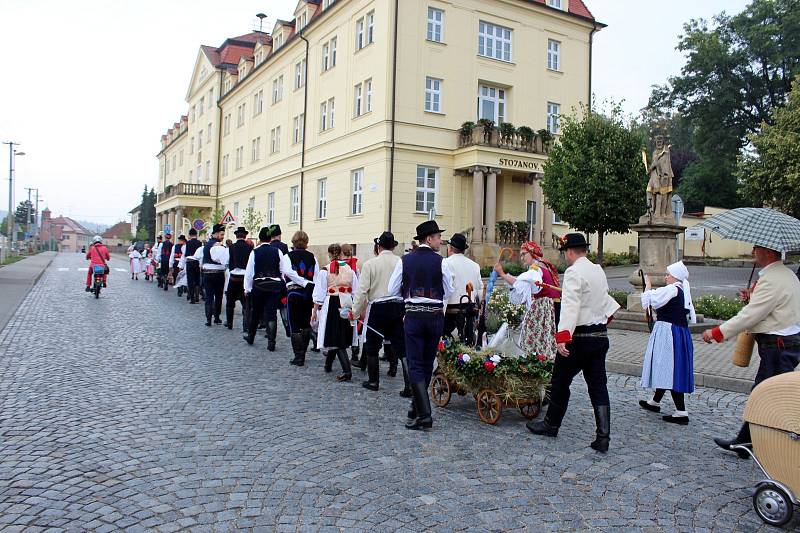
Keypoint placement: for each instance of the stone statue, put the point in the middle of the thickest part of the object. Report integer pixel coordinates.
(659, 186)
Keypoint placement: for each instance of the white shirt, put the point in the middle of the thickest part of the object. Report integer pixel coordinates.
(790, 330)
(396, 283)
(465, 271)
(525, 287)
(157, 252)
(285, 269)
(218, 253)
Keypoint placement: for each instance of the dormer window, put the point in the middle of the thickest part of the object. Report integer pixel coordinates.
(558, 4)
(278, 40)
(302, 20)
(203, 73)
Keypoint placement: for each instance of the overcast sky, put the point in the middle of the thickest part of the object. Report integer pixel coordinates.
(89, 86)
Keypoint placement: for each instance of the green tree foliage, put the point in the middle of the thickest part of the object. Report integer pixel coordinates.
(252, 220)
(595, 178)
(738, 68)
(770, 175)
(142, 235)
(147, 214)
(24, 211)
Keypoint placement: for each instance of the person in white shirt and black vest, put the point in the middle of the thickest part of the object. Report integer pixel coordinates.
(164, 263)
(239, 253)
(425, 283)
(213, 258)
(461, 312)
(263, 285)
(175, 260)
(586, 309)
(192, 266)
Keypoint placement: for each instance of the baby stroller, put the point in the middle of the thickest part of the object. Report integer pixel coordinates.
(773, 412)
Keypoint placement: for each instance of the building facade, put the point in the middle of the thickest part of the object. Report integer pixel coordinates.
(350, 118)
(67, 234)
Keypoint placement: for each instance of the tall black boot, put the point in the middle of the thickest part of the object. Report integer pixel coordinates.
(551, 422)
(602, 417)
(406, 392)
(743, 438)
(392, 358)
(355, 350)
(347, 371)
(373, 369)
(329, 357)
(272, 332)
(229, 317)
(299, 351)
(312, 335)
(423, 407)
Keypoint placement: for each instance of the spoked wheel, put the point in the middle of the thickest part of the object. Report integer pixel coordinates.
(489, 406)
(773, 505)
(97, 290)
(531, 410)
(440, 390)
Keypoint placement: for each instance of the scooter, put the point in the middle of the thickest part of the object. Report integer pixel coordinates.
(98, 278)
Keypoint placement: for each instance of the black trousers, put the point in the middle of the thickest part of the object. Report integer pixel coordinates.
(422, 334)
(213, 287)
(262, 300)
(192, 275)
(163, 270)
(587, 355)
(387, 319)
(235, 293)
(298, 309)
(456, 318)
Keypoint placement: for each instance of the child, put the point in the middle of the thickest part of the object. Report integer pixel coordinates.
(135, 262)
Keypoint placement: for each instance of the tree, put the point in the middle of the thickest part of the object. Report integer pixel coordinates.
(594, 178)
(142, 235)
(770, 174)
(24, 214)
(738, 68)
(251, 220)
(151, 205)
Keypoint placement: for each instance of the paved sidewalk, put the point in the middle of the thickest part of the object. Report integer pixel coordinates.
(17, 279)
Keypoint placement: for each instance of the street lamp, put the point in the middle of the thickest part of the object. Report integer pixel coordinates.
(11, 154)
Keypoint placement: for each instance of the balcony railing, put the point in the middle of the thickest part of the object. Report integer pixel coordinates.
(185, 189)
(479, 135)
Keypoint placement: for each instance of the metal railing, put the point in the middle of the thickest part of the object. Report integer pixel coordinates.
(482, 136)
(185, 189)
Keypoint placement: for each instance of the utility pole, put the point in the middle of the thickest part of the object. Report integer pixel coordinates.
(28, 213)
(11, 219)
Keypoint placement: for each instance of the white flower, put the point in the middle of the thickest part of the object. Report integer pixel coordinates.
(495, 359)
(465, 357)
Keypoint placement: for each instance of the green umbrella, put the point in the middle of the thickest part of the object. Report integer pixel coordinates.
(758, 226)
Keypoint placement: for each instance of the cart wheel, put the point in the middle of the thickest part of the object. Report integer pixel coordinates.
(531, 410)
(772, 505)
(440, 390)
(489, 406)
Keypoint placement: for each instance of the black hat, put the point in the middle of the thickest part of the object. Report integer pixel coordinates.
(572, 240)
(263, 234)
(274, 230)
(192, 232)
(458, 241)
(182, 237)
(241, 231)
(168, 236)
(158, 237)
(217, 228)
(386, 240)
(429, 227)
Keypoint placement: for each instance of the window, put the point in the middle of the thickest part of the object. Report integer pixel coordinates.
(300, 74)
(294, 204)
(557, 219)
(225, 160)
(208, 169)
(360, 34)
(190, 176)
(325, 57)
(357, 109)
(199, 173)
(191, 145)
(258, 102)
(553, 110)
(202, 105)
(193, 113)
(174, 161)
(433, 95)
(165, 167)
(277, 89)
(200, 140)
(553, 55)
(210, 98)
(333, 52)
(435, 24)
(271, 208)
(226, 124)
(235, 209)
(555, 3)
(370, 27)
(251, 203)
(427, 181)
(326, 111)
(356, 191)
(255, 149)
(327, 3)
(530, 217)
(278, 39)
(322, 198)
(275, 144)
(301, 21)
(492, 103)
(199, 156)
(210, 130)
(180, 158)
(298, 127)
(494, 41)
(239, 157)
(240, 115)
(228, 84)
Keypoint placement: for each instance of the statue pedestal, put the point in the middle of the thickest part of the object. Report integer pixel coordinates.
(484, 253)
(657, 249)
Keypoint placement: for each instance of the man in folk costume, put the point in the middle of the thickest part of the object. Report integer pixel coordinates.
(175, 259)
(425, 283)
(384, 317)
(300, 287)
(275, 240)
(164, 263)
(213, 257)
(772, 314)
(157, 258)
(239, 254)
(669, 358)
(582, 341)
(468, 284)
(192, 266)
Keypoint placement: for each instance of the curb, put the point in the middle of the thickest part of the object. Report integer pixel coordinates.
(700, 379)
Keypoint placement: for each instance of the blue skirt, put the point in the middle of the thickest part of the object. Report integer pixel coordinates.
(669, 359)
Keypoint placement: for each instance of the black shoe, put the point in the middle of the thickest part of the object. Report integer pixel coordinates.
(228, 325)
(726, 444)
(602, 418)
(654, 408)
(422, 403)
(347, 372)
(370, 386)
(248, 338)
(208, 322)
(541, 427)
(373, 369)
(272, 332)
(299, 349)
(412, 411)
(680, 420)
(217, 320)
(329, 357)
(88, 289)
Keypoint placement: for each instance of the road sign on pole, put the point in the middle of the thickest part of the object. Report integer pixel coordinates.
(228, 219)
(198, 224)
(677, 208)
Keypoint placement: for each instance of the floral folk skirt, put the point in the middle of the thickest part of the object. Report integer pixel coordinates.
(538, 331)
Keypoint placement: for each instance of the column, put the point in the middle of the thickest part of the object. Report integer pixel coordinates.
(175, 229)
(178, 221)
(477, 203)
(491, 204)
(548, 226)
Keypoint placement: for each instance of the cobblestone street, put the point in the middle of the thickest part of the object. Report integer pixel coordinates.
(128, 413)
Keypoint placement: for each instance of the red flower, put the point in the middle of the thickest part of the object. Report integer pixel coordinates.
(489, 366)
(541, 358)
(441, 346)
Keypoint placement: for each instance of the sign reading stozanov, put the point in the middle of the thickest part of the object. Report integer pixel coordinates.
(520, 163)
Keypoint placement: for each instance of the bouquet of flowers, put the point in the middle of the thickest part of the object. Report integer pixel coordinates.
(502, 310)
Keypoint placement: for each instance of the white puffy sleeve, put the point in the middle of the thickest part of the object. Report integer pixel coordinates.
(320, 286)
(525, 287)
(658, 298)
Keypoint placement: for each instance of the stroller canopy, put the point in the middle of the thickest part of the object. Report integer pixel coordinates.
(775, 403)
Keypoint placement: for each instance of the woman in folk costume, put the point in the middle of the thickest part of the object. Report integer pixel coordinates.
(148, 263)
(668, 361)
(333, 290)
(135, 260)
(537, 290)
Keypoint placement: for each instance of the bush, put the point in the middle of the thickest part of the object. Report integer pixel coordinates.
(612, 259)
(620, 296)
(717, 307)
(515, 269)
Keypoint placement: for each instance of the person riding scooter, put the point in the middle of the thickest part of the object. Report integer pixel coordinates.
(97, 255)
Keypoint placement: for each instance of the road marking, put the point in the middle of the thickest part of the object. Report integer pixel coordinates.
(83, 269)
(121, 269)
(63, 269)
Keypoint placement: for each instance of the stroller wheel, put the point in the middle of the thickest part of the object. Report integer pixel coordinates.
(773, 505)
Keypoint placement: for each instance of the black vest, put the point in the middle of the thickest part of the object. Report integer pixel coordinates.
(280, 246)
(422, 274)
(207, 252)
(674, 311)
(267, 263)
(178, 253)
(239, 254)
(191, 246)
(166, 250)
(304, 263)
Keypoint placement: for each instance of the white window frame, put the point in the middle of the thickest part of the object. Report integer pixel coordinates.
(368, 96)
(271, 208)
(426, 190)
(191, 146)
(180, 158)
(199, 173)
(210, 131)
(225, 161)
(277, 89)
(553, 112)
(251, 203)
(236, 210)
(357, 191)
(202, 105)
(298, 128)
(435, 30)
(358, 100)
(323, 116)
(370, 23)
(294, 204)
(208, 169)
(325, 57)
(433, 94)
(554, 55)
(499, 98)
(258, 103)
(495, 41)
(255, 150)
(360, 34)
(300, 74)
(275, 142)
(555, 3)
(333, 42)
(322, 198)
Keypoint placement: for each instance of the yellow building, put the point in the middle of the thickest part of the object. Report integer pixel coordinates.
(347, 119)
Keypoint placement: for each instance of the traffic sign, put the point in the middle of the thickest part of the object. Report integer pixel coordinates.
(694, 234)
(167, 229)
(198, 224)
(228, 219)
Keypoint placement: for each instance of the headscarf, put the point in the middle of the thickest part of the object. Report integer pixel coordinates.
(536, 252)
(680, 272)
